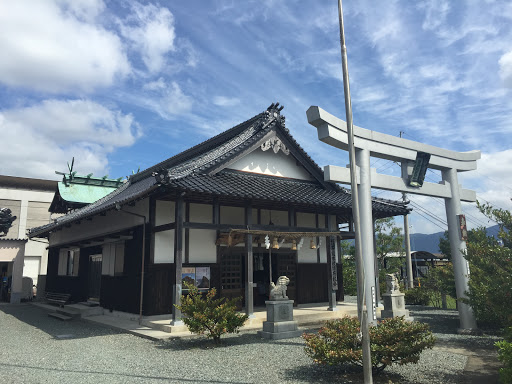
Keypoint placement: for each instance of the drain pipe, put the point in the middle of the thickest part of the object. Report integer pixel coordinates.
(120, 209)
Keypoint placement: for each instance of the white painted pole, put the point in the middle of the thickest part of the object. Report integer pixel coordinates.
(458, 247)
(365, 213)
(408, 262)
(361, 310)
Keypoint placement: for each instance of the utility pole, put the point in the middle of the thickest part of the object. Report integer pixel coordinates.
(408, 262)
(361, 310)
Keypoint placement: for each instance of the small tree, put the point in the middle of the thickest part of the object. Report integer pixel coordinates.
(505, 356)
(348, 262)
(210, 316)
(490, 283)
(388, 240)
(393, 341)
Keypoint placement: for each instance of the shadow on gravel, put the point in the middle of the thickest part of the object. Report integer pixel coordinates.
(116, 375)
(58, 329)
(314, 373)
(440, 321)
(201, 342)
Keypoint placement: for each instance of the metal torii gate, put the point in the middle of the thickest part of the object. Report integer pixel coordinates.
(333, 131)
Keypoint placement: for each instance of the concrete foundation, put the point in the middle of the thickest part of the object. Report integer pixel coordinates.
(394, 306)
(280, 323)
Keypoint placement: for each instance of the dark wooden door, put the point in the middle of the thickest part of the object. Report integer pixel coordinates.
(95, 277)
(287, 266)
(231, 273)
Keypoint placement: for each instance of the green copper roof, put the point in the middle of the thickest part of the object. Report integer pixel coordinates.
(83, 193)
(86, 189)
(75, 191)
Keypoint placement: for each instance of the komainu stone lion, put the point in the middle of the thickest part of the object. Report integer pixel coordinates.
(278, 292)
(392, 283)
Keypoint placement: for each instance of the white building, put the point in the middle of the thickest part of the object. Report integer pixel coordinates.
(29, 200)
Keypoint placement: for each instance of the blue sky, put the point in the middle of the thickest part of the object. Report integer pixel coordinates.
(123, 84)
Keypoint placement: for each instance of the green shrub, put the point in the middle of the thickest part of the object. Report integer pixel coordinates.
(210, 316)
(392, 341)
(417, 296)
(505, 356)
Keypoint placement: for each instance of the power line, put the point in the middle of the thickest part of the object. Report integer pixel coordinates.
(424, 211)
(433, 222)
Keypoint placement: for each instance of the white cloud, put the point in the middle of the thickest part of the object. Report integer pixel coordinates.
(40, 139)
(223, 101)
(506, 69)
(435, 13)
(151, 31)
(166, 99)
(55, 46)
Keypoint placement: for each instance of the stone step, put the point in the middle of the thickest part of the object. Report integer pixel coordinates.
(90, 303)
(68, 312)
(60, 316)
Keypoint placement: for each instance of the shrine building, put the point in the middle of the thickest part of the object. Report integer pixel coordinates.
(232, 213)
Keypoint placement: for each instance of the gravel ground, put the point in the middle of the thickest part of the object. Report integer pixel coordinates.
(37, 349)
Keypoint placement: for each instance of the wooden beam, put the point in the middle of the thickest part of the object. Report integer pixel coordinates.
(249, 290)
(178, 259)
(164, 227)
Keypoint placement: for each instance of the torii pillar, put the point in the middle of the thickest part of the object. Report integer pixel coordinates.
(333, 131)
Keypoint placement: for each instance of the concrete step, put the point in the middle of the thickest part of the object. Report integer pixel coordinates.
(60, 316)
(89, 303)
(68, 312)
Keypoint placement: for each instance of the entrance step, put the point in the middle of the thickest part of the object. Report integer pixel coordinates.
(60, 316)
(70, 312)
(90, 303)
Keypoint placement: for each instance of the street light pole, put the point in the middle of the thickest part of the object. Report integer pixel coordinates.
(361, 310)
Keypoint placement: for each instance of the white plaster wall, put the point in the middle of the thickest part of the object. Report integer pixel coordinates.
(232, 215)
(306, 254)
(306, 220)
(164, 247)
(201, 213)
(323, 250)
(278, 217)
(202, 248)
(270, 163)
(164, 212)
(113, 221)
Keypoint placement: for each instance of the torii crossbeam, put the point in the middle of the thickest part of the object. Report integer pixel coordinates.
(333, 131)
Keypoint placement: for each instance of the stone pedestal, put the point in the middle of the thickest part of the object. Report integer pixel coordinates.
(394, 306)
(280, 323)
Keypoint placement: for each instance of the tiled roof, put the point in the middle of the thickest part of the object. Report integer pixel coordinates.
(245, 185)
(192, 170)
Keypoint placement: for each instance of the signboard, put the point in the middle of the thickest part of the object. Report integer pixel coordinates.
(463, 229)
(188, 275)
(203, 277)
(198, 276)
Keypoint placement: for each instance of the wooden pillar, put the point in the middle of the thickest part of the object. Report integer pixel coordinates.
(216, 220)
(150, 227)
(332, 273)
(249, 273)
(178, 259)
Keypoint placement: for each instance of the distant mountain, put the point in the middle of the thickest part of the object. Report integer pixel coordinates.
(430, 243)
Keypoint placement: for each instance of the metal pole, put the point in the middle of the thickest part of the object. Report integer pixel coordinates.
(269, 269)
(367, 368)
(408, 262)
